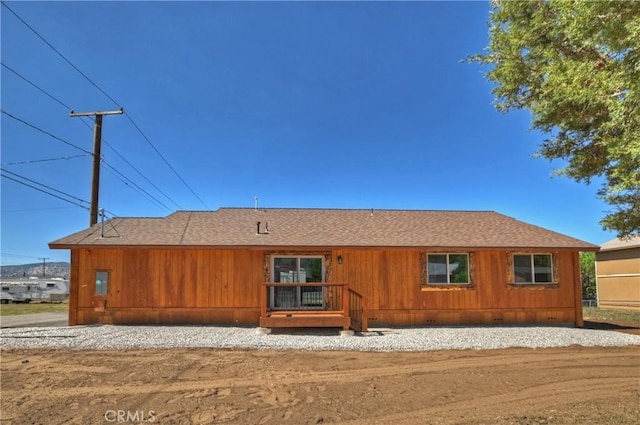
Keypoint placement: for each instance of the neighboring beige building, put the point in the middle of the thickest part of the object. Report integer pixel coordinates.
(618, 274)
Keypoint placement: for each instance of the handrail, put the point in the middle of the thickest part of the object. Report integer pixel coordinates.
(357, 311)
(339, 299)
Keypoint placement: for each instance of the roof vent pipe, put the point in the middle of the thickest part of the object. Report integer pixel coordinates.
(257, 227)
(256, 203)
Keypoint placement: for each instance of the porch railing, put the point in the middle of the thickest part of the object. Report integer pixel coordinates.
(314, 299)
(357, 311)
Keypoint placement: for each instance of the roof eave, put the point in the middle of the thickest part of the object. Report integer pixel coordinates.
(584, 248)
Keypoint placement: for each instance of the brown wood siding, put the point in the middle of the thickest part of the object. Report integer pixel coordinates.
(154, 285)
(143, 281)
(73, 289)
(391, 283)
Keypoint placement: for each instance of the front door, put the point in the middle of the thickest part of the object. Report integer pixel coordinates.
(292, 270)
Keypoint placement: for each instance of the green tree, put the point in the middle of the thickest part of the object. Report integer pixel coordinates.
(575, 65)
(588, 275)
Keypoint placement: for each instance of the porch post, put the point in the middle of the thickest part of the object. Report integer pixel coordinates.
(365, 320)
(577, 279)
(345, 305)
(263, 299)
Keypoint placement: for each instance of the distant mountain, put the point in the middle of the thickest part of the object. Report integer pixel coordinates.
(59, 269)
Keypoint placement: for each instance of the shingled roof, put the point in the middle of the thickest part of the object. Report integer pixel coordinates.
(616, 244)
(291, 227)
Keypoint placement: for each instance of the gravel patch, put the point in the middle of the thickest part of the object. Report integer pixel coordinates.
(110, 337)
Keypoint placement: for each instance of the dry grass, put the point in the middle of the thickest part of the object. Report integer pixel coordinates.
(34, 307)
(594, 313)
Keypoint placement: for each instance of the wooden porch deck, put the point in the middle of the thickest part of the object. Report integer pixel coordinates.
(336, 306)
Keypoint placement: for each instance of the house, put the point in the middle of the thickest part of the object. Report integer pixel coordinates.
(324, 267)
(618, 274)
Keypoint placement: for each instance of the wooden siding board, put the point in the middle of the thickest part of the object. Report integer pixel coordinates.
(83, 283)
(577, 291)
(236, 285)
(205, 279)
(148, 285)
(73, 288)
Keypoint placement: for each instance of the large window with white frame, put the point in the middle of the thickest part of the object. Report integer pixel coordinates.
(448, 269)
(533, 268)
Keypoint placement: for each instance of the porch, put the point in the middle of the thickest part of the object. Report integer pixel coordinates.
(310, 305)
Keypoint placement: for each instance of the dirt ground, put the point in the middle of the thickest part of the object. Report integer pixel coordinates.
(574, 385)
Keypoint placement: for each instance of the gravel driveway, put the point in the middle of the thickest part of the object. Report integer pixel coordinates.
(396, 339)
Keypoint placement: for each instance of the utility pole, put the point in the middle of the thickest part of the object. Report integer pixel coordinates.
(43, 264)
(97, 139)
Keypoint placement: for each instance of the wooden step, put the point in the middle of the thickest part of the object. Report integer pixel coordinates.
(306, 320)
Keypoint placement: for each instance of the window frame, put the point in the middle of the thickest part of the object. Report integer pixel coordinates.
(95, 284)
(532, 255)
(298, 297)
(447, 284)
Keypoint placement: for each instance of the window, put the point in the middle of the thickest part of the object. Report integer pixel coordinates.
(444, 269)
(533, 268)
(289, 269)
(102, 282)
(51, 285)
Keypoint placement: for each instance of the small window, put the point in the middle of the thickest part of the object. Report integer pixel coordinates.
(51, 285)
(5, 288)
(533, 268)
(445, 269)
(102, 282)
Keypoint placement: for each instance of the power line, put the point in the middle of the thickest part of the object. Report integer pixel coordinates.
(46, 132)
(165, 160)
(97, 144)
(86, 124)
(87, 153)
(44, 263)
(50, 188)
(43, 185)
(110, 98)
(31, 83)
(50, 194)
(44, 191)
(126, 181)
(136, 170)
(35, 209)
(44, 160)
(35, 86)
(59, 54)
(142, 175)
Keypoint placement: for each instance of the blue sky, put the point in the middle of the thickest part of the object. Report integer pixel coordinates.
(303, 104)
